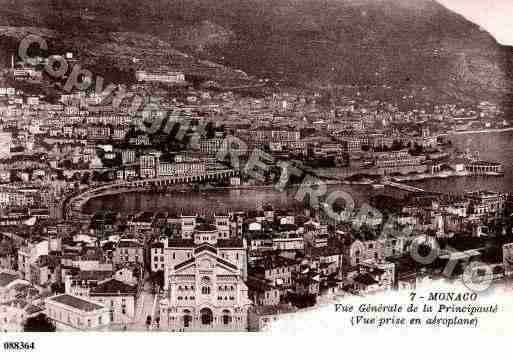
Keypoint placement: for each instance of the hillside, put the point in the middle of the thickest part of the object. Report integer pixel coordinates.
(304, 42)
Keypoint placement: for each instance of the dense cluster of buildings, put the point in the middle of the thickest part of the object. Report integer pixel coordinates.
(83, 138)
(238, 270)
(220, 271)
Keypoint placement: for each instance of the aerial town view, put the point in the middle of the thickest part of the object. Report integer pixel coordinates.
(214, 165)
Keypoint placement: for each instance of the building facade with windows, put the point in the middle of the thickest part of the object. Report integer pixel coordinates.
(118, 297)
(128, 252)
(204, 283)
(162, 76)
(73, 313)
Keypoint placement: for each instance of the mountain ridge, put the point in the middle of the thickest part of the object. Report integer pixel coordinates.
(304, 42)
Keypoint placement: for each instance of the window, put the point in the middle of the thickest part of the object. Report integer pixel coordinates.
(173, 255)
(206, 316)
(226, 318)
(100, 320)
(187, 318)
(205, 290)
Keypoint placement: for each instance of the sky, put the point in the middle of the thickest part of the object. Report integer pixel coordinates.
(495, 16)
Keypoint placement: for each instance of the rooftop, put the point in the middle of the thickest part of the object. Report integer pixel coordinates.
(365, 278)
(75, 302)
(258, 284)
(325, 251)
(129, 244)
(189, 243)
(272, 262)
(7, 278)
(114, 286)
(97, 275)
(206, 228)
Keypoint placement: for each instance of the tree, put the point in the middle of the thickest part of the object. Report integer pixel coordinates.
(39, 323)
(96, 176)
(416, 150)
(60, 175)
(300, 300)
(397, 145)
(85, 178)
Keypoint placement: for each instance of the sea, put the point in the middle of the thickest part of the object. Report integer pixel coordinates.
(492, 146)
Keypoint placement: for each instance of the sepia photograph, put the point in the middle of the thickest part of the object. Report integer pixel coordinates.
(254, 166)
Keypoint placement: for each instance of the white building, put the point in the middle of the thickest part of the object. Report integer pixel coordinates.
(5, 144)
(119, 297)
(204, 280)
(73, 313)
(160, 76)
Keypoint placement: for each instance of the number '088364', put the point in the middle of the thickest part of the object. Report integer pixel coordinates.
(19, 346)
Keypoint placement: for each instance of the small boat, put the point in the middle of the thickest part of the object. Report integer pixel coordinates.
(378, 185)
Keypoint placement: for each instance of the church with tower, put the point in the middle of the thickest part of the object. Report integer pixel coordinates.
(204, 275)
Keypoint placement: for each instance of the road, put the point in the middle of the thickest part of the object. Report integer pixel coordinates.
(144, 307)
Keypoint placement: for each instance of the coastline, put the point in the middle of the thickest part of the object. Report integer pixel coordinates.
(414, 177)
(444, 175)
(490, 130)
